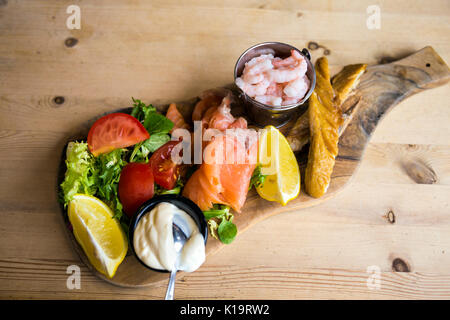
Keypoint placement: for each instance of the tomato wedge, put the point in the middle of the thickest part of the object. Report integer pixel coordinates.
(114, 131)
(136, 186)
(165, 171)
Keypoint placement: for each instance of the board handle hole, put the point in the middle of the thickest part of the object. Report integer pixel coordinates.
(428, 65)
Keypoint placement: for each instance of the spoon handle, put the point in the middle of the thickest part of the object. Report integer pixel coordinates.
(171, 286)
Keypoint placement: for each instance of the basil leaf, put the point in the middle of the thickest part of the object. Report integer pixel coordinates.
(142, 150)
(157, 123)
(155, 141)
(152, 120)
(227, 231)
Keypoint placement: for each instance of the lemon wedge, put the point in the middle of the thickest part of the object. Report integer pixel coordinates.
(98, 233)
(278, 162)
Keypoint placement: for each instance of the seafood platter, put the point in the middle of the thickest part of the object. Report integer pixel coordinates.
(149, 191)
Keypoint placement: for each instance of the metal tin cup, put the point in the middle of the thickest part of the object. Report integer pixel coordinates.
(263, 114)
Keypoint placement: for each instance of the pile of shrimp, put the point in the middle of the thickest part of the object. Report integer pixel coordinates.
(275, 81)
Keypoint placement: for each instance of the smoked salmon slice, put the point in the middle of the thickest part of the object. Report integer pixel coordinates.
(210, 100)
(222, 118)
(224, 177)
(176, 117)
(239, 123)
(219, 116)
(229, 159)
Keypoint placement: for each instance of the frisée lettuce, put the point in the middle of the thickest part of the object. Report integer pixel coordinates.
(81, 175)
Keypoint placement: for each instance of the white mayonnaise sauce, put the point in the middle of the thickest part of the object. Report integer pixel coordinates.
(153, 239)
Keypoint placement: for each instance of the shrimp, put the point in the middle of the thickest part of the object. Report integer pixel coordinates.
(289, 61)
(270, 100)
(253, 71)
(253, 79)
(253, 90)
(274, 79)
(276, 60)
(209, 99)
(259, 67)
(297, 87)
(290, 68)
(275, 89)
(287, 74)
(259, 59)
(288, 101)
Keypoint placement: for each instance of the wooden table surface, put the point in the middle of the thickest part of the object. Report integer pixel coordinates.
(162, 51)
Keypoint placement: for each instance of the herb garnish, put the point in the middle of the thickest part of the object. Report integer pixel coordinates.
(157, 125)
(220, 223)
(257, 178)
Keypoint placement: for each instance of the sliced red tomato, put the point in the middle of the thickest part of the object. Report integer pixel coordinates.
(165, 171)
(113, 131)
(136, 185)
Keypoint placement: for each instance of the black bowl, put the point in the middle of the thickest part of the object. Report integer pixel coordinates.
(181, 202)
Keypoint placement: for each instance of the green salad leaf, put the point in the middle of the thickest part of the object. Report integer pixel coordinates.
(176, 190)
(109, 167)
(153, 121)
(257, 179)
(141, 110)
(213, 226)
(99, 176)
(142, 150)
(220, 223)
(156, 141)
(227, 231)
(217, 211)
(81, 175)
(157, 125)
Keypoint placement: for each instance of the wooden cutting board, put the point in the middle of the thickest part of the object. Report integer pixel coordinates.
(381, 88)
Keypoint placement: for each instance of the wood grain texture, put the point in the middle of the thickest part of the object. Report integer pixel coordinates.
(381, 88)
(133, 48)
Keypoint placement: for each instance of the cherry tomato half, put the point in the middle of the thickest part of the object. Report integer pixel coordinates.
(136, 185)
(165, 171)
(113, 131)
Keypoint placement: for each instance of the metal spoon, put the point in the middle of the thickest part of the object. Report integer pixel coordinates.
(179, 239)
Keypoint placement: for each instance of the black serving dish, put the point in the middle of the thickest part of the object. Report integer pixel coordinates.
(181, 202)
